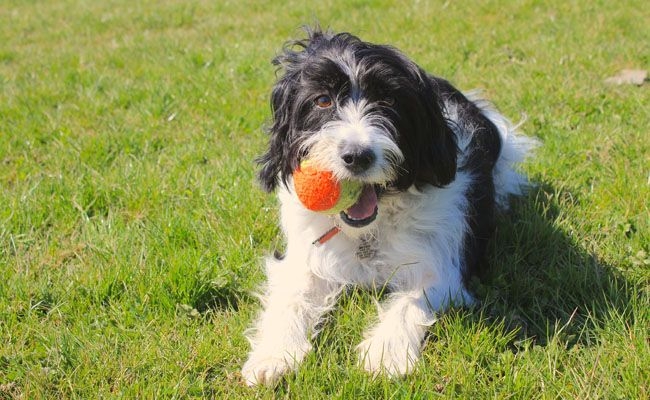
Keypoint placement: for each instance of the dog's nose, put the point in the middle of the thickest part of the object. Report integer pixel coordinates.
(357, 159)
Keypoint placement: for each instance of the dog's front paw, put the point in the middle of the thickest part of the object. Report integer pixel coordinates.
(264, 370)
(392, 356)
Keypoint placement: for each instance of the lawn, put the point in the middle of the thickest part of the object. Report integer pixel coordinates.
(132, 227)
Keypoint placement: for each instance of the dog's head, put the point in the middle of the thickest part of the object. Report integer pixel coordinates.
(363, 111)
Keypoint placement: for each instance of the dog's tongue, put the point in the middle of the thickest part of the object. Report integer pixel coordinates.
(365, 206)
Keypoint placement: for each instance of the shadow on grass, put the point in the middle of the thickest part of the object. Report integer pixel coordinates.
(542, 283)
(223, 293)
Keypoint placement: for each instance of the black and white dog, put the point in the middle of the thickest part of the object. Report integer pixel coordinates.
(435, 166)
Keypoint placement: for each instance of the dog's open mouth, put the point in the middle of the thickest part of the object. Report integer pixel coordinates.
(364, 211)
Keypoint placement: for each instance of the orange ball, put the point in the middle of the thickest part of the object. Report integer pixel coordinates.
(317, 189)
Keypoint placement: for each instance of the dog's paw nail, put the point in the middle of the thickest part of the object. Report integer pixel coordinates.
(265, 371)
(377, 358)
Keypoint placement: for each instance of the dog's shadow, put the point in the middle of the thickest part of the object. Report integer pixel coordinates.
(542, 283)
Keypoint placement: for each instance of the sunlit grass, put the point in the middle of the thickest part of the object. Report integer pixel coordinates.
(131, 226)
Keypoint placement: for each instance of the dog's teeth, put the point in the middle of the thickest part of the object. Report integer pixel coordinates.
(352, 218)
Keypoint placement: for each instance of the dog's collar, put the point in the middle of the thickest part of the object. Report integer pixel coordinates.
(365, 250)
(326, 236)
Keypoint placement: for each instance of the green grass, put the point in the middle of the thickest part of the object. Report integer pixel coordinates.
(131, 227)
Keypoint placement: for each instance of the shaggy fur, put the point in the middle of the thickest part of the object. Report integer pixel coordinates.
(435, 164)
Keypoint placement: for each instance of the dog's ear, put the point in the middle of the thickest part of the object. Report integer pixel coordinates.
(274, 162)
(281, 157)
(427, 140)
(438, 154)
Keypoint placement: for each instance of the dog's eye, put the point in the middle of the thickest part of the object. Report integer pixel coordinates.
(323, 101)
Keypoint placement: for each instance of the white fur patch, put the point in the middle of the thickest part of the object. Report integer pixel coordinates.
(356, 126)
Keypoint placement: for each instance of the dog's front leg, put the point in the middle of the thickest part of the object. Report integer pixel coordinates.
(393, 345)
(294, 302)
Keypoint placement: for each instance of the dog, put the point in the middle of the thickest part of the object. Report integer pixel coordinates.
(436, 167)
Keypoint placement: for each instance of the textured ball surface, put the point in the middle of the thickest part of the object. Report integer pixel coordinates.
(318, 190)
